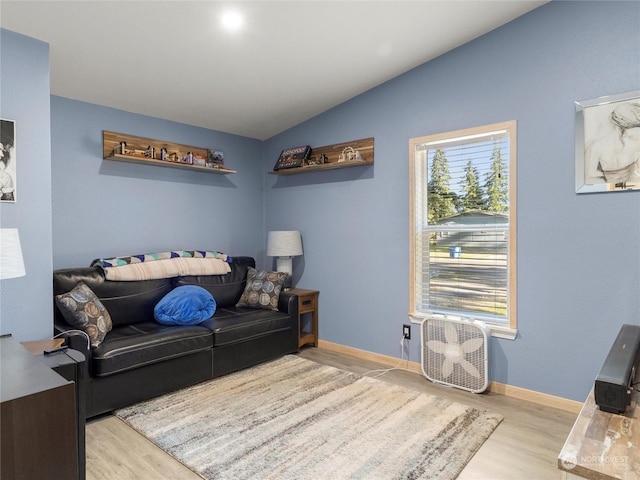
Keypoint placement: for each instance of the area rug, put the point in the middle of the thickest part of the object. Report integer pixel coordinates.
(296, 419)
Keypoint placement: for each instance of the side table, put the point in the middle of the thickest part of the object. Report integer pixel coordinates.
(69, 364)
(307, 303)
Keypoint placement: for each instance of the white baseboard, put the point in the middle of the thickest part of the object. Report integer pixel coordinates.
(495, 387)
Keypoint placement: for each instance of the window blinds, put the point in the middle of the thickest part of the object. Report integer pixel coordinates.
(461, 209)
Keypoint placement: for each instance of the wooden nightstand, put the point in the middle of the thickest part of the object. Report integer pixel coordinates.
(307, 303)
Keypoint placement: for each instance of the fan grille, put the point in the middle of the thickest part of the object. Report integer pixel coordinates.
(455, 353)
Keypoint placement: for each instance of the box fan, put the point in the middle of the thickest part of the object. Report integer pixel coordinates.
(455, 353)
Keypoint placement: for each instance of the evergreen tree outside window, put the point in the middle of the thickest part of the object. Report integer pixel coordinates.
(463, 224)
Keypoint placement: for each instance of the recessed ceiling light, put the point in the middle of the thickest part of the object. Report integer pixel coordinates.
(232, 20)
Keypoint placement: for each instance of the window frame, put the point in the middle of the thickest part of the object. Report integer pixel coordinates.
(504, 330)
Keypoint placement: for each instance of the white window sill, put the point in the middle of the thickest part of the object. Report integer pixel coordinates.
(497, 331)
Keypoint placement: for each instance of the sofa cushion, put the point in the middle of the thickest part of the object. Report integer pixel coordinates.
(186, 305)
(140, 344)
(225, 289)
(232, 325)
(262, 289)
(83, 310)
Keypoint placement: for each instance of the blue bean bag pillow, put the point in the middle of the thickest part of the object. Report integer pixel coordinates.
(186, 305)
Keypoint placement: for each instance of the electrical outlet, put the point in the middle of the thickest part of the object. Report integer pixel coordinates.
(406, 331)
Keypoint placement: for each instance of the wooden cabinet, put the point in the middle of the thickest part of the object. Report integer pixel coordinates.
(38, 428)
(69, 364)
(148, 151)
(332, 155)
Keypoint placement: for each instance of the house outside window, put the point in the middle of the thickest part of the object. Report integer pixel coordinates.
(463, 226)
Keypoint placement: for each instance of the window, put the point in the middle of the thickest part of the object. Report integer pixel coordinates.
(463, 225)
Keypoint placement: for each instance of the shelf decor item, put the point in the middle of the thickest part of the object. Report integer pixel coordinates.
(608, 143)
(349, 154)
(215, 159)
(317, 160)
(292, 157)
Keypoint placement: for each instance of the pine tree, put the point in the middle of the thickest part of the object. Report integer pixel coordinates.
(496, 184)
(473, 194)
(441, 200)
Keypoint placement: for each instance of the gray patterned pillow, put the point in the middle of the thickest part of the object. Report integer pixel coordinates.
(262, 290)
(82, 309)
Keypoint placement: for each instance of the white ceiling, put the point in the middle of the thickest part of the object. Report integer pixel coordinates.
(291, 61)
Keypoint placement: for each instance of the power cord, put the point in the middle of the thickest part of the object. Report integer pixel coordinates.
(77, 331)
(382, 371)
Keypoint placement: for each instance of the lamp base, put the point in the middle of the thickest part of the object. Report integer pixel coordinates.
(285, 265)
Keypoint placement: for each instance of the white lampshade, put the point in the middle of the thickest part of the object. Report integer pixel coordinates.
(11, 263)
(284, 243)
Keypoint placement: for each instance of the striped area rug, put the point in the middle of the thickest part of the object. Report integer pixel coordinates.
(295, 419)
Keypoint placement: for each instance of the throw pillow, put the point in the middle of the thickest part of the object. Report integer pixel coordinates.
(185, 305)
(82, 309)
(262, 289)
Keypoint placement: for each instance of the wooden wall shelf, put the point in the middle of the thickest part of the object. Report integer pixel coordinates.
(332, 153)
(111, 151)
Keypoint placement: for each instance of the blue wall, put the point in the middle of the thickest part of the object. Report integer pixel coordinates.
(25, 302)
(578, 255)
(104, 208)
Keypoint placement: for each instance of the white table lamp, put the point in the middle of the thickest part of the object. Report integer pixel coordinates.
(11, 262)
(284, 244)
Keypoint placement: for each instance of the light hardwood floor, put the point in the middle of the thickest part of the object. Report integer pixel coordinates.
(524, 446)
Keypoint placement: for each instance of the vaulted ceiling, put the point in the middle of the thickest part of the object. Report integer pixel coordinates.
(288, 61)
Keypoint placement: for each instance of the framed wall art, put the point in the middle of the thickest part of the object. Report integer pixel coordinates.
(608, 143)
(7, 160)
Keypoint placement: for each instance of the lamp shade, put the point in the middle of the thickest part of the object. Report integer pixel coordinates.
(11, 263)
(284, 243)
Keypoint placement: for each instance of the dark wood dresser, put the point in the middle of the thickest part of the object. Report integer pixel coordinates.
(38, 432)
